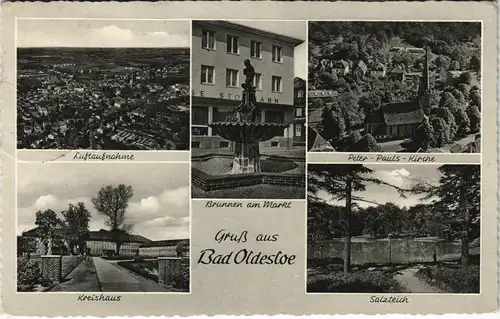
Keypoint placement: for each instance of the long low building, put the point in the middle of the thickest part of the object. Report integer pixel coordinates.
(101, 244)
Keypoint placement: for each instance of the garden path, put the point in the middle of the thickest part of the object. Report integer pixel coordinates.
(113, 278)
(82, 279)
(407, 278)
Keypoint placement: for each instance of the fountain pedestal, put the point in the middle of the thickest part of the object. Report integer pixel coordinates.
(246, 158)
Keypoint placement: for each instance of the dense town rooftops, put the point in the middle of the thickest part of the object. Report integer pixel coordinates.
(255, 31)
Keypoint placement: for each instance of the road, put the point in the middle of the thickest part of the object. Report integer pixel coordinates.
(414, 284)
(113, 278)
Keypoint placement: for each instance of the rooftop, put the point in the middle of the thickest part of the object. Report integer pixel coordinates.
(255, 31)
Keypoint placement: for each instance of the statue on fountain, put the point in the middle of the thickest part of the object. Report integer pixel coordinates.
(247, 110)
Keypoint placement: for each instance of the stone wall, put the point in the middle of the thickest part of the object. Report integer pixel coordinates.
(399, 251)
(51, 267)
(169, 269)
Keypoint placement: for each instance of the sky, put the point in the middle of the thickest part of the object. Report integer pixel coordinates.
(403, 176)
(102, 33)
(294, 29)
(159, 208)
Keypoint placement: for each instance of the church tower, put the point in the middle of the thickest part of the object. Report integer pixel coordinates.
(424, 87)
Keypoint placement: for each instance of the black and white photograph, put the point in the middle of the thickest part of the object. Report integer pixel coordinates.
(394, 87)
(248, 109)
(103, 227)
(103, 84)
(393, 228)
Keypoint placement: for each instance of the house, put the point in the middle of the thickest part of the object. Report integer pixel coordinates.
(378, 70)
(316, 143)
(101, 243)
(416, 50)
(453, 76)
(360, 69)
(322, 93)
(340, 67)
(397, 73)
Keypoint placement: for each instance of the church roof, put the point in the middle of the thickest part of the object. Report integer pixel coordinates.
(397, 113)
(402, 113)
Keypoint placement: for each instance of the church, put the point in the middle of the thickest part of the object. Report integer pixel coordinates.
(400, 120)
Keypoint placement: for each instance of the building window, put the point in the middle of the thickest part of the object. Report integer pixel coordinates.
(256, 49)
(277, 54)
(298, 130)
(231, 78)
(232, 45)
(257, 83)
(208, 40)
(276, 84)
(222, 114)
(275, 117)
(199, 115)
(199, 131)
(207, 74)
(298, 112)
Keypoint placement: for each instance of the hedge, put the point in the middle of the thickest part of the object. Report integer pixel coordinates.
(361, 281)
(458, 279)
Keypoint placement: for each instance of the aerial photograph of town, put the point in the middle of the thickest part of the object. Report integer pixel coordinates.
(119, 98)
(394, 87)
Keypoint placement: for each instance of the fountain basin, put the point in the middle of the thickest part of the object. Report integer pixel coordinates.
(248, 132)
(211, 172)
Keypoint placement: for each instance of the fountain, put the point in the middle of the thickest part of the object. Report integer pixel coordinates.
(245, 131)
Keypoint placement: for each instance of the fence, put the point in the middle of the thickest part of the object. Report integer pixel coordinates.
(400, 251)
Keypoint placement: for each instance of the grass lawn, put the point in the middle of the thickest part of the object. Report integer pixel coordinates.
(147, 269)
(262, 191)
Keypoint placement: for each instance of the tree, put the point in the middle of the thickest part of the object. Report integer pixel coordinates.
(333, 124)
(463, 122)
(76, 220)
(181, 248)
(460, 97)
(475, 97)
(441, 132)
(448, 117)
(112, 202)
(47, 222)
(367, 144)
(474, 117)
(464, 206)
(448, 101)
(340, 182)
(424, 136)
(25, 244)
(475, 63)
(370, 102)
